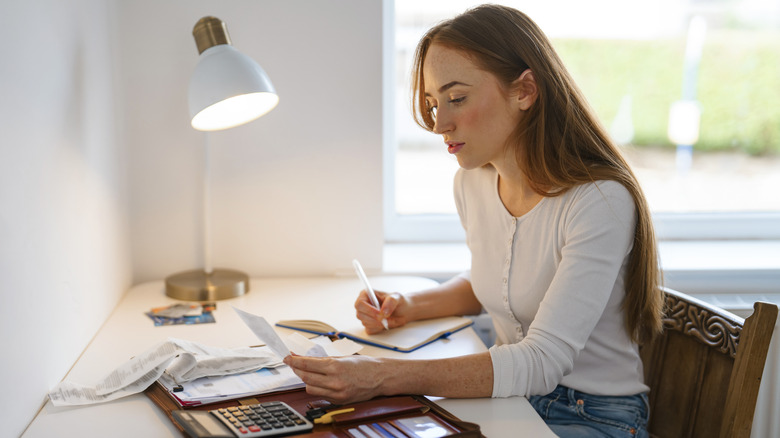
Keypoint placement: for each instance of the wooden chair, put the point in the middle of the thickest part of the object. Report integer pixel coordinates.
(705, 370)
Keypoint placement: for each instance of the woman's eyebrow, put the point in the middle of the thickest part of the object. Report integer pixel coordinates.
(447, 86)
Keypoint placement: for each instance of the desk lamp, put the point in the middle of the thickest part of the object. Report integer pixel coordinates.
(227, 89)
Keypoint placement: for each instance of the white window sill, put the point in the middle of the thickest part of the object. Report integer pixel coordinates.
(731, 274)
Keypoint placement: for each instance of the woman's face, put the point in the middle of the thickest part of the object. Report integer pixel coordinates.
(472, 111)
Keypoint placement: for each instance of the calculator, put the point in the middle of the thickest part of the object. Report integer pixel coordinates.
(258, 420)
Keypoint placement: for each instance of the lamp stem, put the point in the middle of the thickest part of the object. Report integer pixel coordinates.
(206, 284)
(207, 266)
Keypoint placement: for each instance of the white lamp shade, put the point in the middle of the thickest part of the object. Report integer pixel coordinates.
(228, 89)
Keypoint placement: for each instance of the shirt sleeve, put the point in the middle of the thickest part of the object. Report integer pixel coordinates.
(598, 230)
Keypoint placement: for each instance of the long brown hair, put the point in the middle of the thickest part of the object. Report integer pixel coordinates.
(563, 143)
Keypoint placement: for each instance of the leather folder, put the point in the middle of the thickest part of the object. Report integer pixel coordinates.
(393, 410)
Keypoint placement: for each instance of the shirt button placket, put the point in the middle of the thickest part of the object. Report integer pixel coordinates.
(519, 333)
(507, 264)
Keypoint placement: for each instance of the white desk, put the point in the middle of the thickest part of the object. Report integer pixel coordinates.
(128, 332)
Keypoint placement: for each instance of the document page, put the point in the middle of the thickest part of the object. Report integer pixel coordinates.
(214, 389)
(181, 361)
(186, 360)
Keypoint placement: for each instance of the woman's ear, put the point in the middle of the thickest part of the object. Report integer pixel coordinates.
(525, 89)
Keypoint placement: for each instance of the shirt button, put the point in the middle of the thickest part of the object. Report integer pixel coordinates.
(504, 280)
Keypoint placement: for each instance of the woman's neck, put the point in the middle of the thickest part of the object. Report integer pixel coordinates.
(515, 192)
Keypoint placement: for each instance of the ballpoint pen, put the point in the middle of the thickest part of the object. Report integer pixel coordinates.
(369, 289)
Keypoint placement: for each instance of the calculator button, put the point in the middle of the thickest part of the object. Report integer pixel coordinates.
(263, 420)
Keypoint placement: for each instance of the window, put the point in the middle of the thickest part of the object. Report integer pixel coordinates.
(689, 89)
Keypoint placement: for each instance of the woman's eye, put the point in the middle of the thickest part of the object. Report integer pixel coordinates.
(457, 100)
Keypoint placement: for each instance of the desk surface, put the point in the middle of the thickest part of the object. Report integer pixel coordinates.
(128, 331)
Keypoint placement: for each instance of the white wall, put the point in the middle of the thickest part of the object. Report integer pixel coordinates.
(100, 171)
(64, 257)
(297, 192)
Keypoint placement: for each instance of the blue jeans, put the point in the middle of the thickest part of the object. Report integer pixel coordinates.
(571, 413)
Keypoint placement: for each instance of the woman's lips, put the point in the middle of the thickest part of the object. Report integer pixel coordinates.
(454, 147)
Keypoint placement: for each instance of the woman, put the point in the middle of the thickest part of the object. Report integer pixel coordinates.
(563, 249)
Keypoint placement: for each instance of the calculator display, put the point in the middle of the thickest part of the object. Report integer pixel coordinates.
(211, 425)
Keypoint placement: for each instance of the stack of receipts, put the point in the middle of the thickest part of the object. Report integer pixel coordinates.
(202, 374)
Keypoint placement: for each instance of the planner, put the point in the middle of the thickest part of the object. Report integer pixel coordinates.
(406, 338)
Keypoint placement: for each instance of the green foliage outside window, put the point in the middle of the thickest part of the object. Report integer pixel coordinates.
(738, 86)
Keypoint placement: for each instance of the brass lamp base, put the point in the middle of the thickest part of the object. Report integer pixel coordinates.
(197, 285)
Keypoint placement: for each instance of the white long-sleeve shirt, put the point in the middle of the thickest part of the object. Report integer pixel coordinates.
(552, 281)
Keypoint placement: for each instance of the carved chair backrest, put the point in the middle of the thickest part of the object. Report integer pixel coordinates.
(705, 369)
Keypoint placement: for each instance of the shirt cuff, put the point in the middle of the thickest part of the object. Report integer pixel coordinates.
(504, 373)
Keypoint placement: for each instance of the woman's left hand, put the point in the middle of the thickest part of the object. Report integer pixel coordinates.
(340, 379)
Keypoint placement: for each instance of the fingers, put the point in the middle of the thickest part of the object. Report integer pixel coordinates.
(322, 377)
(363, 301)
(313, 371)
(371, 317)
(389, 304)
(307, 364)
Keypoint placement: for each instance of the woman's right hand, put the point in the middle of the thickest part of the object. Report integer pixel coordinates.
(393, 307)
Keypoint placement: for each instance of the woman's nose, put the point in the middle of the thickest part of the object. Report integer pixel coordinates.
(441, 123)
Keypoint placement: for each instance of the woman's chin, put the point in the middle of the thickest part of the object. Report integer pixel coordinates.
(466, 164)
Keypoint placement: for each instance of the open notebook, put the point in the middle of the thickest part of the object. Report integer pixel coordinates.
(407, 338)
